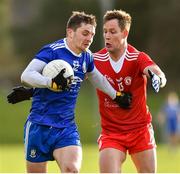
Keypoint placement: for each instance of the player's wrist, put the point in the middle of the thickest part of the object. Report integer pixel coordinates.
(114, 94)
(30, 92)
(49, 82)
(163, 81)
(118, 93)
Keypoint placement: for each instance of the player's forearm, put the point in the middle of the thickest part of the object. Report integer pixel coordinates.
(34, 79)
(32, 76)
(100, 82)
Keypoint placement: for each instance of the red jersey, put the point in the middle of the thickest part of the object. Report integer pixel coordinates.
(130, 78)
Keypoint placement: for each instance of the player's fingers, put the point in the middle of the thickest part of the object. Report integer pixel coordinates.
(10, 100)
(10, 95)
(63, 71)
(156, 87)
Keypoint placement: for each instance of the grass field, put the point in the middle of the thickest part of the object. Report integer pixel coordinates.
(12, 160)
(12, 119)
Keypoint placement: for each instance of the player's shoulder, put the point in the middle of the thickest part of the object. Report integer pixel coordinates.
(51, 47)
(48, 51)
(134, 54)
(57, 44)
(101, 55)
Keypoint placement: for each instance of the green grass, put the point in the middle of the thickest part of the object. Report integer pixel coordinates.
(12, 160)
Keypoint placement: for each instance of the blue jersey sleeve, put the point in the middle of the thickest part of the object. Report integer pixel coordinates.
(45, 54)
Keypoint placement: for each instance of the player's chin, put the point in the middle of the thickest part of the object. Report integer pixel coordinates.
(109, 49)
(85, 47)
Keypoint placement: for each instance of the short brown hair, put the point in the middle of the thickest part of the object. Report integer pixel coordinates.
(124, 19)
(77, 18)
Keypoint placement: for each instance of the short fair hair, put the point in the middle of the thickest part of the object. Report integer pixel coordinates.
(77, 18)
(124, 19)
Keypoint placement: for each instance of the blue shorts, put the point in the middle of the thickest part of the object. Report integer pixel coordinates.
(40, 140)
(172, 126)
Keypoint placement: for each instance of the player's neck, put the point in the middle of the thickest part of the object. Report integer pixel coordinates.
(116, 55)
(72, 47)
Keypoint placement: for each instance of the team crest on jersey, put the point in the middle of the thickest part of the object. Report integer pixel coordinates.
(127, 80)
(33, 153)
(84, 67)
(76, 65)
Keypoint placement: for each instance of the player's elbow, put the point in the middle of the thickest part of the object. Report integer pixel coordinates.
(24, 78)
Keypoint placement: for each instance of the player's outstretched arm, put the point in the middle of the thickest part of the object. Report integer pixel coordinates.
(19, 94)
(99, 81)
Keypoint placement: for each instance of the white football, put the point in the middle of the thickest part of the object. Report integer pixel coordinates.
(53, 68)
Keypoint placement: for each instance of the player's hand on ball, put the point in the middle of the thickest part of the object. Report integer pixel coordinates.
(60, 83)
(19, 94)
(123, 99)
(155, 81)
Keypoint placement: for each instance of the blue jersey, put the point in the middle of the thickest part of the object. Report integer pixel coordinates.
(171, 113)
(57, 109)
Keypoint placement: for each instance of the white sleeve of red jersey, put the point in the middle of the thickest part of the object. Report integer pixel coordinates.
(32, 76)
(100, 82)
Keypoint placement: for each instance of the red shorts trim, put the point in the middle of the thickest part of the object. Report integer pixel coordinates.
(133, 142)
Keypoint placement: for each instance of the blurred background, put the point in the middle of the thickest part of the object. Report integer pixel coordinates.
(28, 25)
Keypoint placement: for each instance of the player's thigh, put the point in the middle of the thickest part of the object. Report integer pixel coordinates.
(68, 158)
(39, 167)
(110, 160)
(145, 161)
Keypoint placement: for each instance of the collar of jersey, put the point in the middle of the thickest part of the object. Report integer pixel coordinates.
(117, 66)
(77, 55)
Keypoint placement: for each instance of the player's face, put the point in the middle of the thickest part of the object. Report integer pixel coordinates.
(82, 37)
(114, 37)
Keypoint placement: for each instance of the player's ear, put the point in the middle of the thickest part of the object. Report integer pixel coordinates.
(69, 32)
(125, 33)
